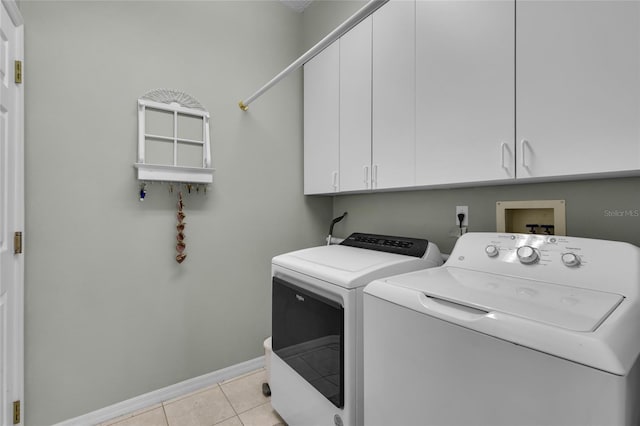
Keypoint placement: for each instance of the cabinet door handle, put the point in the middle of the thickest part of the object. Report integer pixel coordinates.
(503, 147)
(523, 147)
(335, 180)
(366, 177)
(374, 176)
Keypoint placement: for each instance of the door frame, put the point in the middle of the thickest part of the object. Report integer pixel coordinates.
(15, 375)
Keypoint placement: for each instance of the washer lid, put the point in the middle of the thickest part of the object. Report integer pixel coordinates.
(557, 305)
(352, 267)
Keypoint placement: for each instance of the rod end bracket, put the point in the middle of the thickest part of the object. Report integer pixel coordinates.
(243, 106)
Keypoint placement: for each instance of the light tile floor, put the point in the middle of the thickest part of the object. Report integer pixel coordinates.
(235, 402)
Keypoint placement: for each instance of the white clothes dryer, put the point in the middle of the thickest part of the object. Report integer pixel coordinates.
(513, 330)
(316, 361)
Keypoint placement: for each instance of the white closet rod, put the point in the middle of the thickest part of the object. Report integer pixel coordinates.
(361, 14)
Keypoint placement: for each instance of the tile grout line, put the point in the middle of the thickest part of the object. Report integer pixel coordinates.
(230, 404)
(240, 378)
(164, 404)
(244, 376)
(189, 395)
(253, 408)
(166, 418)
(228, 400)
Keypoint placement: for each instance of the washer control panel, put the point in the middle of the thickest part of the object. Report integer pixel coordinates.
(528, 255)
(534, 249)
(580, 262)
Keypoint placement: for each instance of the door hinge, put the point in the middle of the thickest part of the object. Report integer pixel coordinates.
(18, 71)
(16, 412)
(17, 243)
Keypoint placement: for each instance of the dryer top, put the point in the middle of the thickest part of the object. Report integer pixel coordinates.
(353, 267)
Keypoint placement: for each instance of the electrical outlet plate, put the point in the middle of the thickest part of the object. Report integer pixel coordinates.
(465, 210)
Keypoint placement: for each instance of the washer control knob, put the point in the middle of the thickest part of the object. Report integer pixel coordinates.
(491, 250)
(570, 259)
(527, 255)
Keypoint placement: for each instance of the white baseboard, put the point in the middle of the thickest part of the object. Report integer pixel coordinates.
(164, 394)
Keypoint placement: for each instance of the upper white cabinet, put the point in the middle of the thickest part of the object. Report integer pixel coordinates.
(321, 122)
(355, 108)
(464, 91)
(578, 87)
(394, 95)
(440, 92)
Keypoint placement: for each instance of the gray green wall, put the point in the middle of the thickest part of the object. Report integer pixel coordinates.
(109, 314)
(431, 213)
(322, 16)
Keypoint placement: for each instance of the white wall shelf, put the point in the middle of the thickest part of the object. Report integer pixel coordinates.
(168, 173)
(173, 139)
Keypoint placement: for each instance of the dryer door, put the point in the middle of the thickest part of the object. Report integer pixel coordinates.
(308, 334)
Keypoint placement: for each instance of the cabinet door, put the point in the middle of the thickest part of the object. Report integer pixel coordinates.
(321, 119)
(394, 95)
(355, 108)
(578, 87)
(465, 91)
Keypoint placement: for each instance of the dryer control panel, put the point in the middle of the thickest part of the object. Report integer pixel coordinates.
(583, 262)
(415, 247)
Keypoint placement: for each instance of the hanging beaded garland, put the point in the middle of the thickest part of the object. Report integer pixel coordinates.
(180, 246)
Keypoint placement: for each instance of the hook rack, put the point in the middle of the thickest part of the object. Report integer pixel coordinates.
(173, 187)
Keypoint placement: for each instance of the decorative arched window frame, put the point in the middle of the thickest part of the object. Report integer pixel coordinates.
(180, 105)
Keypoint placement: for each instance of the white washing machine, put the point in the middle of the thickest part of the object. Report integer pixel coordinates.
(512, 330)
(316, 361)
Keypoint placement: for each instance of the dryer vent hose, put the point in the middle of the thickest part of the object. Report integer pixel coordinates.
(333, 222)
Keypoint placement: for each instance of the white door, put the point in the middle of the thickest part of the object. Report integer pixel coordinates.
(394, 40)
(578, 87)
(464, 91)
(11, 213)
(321, 121)
(355, 108)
